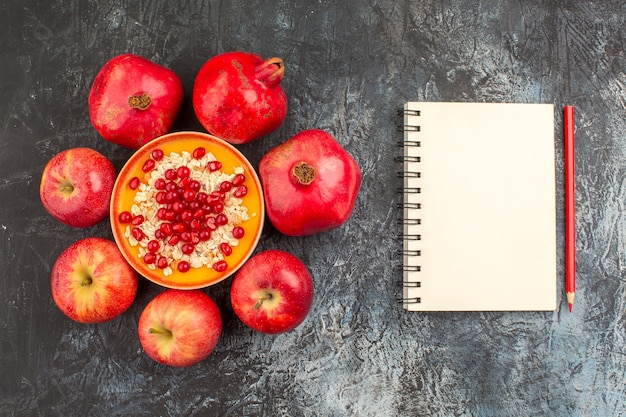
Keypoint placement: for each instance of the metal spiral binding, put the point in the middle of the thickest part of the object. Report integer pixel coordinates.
(416, 206)
(404, 173)
(411, 143)
(408, 158)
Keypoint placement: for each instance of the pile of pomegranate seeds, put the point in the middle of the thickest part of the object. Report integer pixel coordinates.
(187, 212)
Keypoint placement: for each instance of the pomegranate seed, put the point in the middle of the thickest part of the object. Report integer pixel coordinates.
(162, 262)
(161, 213)
(187, 248)
(218, 207)
(149, 258)
(184, 183)
(195, 224)
(178, 206)
(204, 235)
(157, 154)
(179, 227)
(171, 186)
(170, 215)
(134, 182)
(220, 266)
(171, 196)
(166, 228)
(170, 174)
(211, 223)
(194, 185)
(240, 191)
(195, 238)
(183, 171)
(186, 216)
(238, 179)
(125, 217)
(137, 233)
(183, 266)
(160, 197)
(220, 196)
(159, 184)
(225, 186)
(212, 199)
(189, 195)
(201, 197)
(226, 249)
(153, 245)
(185, 236)
(148, 165)
(173, 240)
(238, 232)
(159, 234)
(221, 219)
(137, 220)
(199, 152)
(198, 214)
(214, 165)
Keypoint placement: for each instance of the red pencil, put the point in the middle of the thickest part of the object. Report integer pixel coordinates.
(570, 207)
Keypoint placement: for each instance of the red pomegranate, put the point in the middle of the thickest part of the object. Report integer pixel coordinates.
(310, 183)
(237, 96)
(133, 100)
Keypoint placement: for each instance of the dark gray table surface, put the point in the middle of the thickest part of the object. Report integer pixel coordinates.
(350, 66)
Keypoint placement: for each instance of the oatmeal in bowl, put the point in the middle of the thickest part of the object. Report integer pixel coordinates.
(187, 210)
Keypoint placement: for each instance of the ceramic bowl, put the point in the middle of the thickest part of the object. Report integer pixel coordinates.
(135, 194)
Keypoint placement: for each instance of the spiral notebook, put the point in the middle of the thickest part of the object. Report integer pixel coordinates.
(479, 207)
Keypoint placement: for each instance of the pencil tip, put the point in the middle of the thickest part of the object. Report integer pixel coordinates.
(570, 300)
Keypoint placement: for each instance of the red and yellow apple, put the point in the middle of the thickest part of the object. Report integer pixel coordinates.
(76, 186)
(92, 282)
(272, 292)
(180, 327)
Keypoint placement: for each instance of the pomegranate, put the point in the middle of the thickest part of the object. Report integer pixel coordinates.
(133, 100)
(310, 183)
(237, 96)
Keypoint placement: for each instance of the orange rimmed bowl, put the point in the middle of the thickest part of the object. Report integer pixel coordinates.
(135, 206)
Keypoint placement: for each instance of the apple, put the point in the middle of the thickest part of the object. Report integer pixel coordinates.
(134, 100)
(180, 327)
(76, 186)
(272, 292)
(92, 282)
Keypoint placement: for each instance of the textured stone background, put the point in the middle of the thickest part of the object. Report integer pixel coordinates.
(350, 65)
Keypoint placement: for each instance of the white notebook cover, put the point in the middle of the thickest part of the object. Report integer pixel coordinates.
(484, 235)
